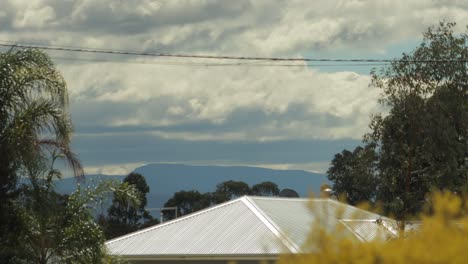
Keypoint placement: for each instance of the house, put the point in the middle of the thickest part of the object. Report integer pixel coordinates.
(248, 229)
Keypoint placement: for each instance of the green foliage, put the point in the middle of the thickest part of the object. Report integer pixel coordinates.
(186, 202)
(267, 188)
(422, 143)
(60, 228)
(33, 114)
(354, 174)
(191, 201)
(10, 226)
(228, 190)
(441, 238)
(38, 225)
(423, 140)
(35, 132)
(125, 217)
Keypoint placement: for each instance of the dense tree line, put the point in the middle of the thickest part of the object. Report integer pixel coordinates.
(192, 201)
(421, 143)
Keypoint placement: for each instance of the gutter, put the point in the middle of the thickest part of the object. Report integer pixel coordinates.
(199, 257)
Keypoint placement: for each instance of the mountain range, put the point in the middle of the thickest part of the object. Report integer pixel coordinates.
(166, 179)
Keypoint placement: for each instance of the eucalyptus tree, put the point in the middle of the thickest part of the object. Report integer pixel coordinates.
(266, 188)
(421, 143)
(354, 175)
(423, 140)
(186, 202)
(229, 190)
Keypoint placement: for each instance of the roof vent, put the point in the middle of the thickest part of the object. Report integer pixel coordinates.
(326, 191)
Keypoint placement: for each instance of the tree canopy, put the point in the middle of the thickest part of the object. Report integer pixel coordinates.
(123, 217)
(228, 190)
(192, 201)
(34, 119)
(421, 143)
(353, 174)
(267, 188)
(38, 225)
(35, 132)
(186, 202)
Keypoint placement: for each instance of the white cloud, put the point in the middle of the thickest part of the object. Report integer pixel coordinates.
(113, 169)
(239, 103)
(256, 27)
(316, 167)
(293, 102)
(126, 168)
(32, 14)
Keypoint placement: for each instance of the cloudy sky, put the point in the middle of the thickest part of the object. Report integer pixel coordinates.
(132, 110)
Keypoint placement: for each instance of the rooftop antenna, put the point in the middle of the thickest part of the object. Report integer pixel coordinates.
(161, 209)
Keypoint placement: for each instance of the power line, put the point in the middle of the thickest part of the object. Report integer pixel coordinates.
(214, 57)
(198, 64)
(176, 63)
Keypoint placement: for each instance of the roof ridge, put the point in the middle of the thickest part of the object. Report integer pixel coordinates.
(285, 198)
(173, 221)
(357, 208)
(270, 224)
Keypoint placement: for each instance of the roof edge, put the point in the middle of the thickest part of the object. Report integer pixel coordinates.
(270, 224)
(379, 216)
(258, 257)
(182, 218)
(286, 198)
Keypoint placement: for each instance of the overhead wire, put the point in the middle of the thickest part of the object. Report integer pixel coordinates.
(212, 57)
(197, 64)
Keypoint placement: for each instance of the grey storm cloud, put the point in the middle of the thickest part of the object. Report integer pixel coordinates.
(231, 104)
(140, 147)
(129, 17)
(239, 120)
(129, 109)
(244, 26)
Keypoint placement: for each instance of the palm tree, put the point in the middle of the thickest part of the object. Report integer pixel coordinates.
(34, 121)
(38, 225)
(35, 131)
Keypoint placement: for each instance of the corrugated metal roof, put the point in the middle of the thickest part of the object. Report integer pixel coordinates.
(296, 218)
(246, 226)
(229, 228)
(368, 230)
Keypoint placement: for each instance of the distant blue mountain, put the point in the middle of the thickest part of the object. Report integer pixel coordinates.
(166, 179)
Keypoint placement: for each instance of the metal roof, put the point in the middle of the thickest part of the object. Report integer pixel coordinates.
(248, 226)
(296, 218)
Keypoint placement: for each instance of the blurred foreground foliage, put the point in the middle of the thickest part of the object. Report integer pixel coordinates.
(56, 228)
(442, 238)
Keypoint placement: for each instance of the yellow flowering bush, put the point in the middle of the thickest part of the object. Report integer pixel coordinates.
(442, 238)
